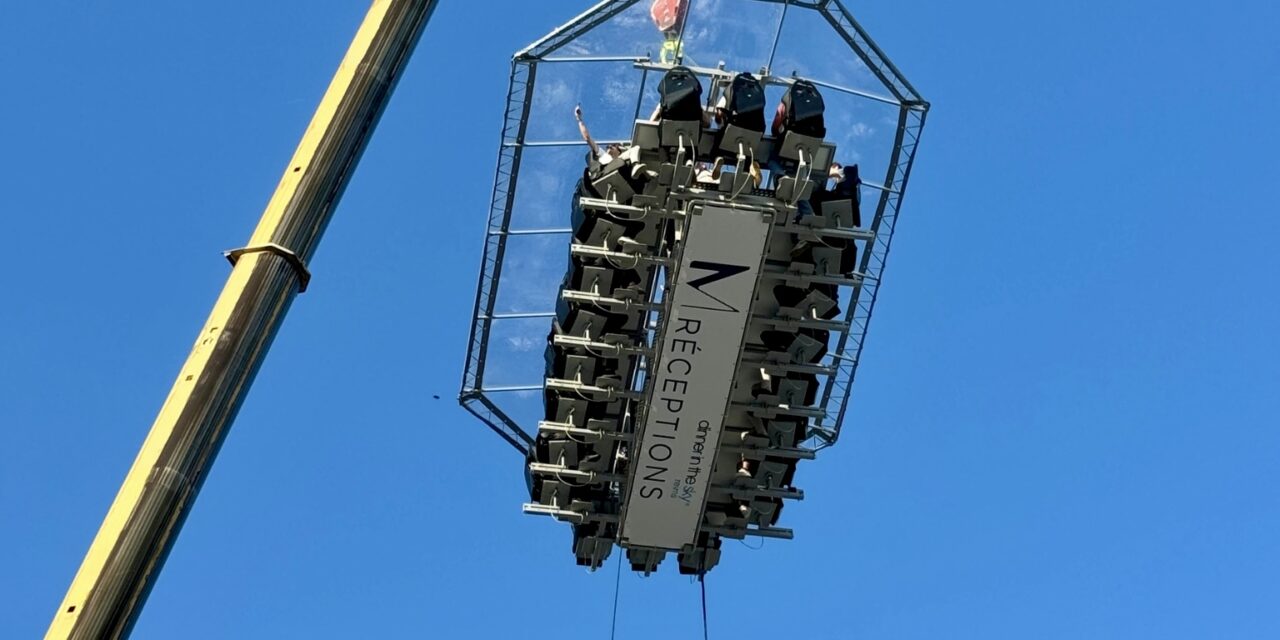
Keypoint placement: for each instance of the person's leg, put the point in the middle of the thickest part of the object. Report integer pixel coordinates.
(776, 171)
(803, 208)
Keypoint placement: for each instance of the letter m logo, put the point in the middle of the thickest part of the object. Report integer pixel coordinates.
(718, 271)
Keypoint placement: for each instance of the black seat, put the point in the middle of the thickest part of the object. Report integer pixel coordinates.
(804, 110)
(681, 108)
(743, 116)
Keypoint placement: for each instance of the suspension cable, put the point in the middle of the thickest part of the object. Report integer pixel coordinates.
(702, 580)
(617, 583)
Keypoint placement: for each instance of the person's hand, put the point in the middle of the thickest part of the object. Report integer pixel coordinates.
(577, 113)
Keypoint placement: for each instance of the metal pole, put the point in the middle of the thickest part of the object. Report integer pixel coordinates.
(777, 36)
(126, 556)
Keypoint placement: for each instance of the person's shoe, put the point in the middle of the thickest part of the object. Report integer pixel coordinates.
(716, 169)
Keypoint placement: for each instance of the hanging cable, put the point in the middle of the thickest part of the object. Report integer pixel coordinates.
(702, 581)
(617, 584)
(749, 179)
(808, 169)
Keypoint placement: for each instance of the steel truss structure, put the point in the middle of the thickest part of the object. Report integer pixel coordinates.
(484, 401)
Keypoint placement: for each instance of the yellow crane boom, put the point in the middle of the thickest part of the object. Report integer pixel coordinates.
(128, 552)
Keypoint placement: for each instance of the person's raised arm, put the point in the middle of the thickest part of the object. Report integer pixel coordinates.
(582, 128)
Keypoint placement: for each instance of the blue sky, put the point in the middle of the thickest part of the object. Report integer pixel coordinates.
(1064, 425)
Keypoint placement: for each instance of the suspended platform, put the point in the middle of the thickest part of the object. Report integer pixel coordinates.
(714, 279)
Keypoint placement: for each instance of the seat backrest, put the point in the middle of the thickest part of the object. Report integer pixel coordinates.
(731, 136)
(744, 103)
(824, 156)
(596, 279)
(569, 410)
(681, 94)
(680, 133)
(805, 109)
(613, 186)
(645, 135)
(794, 142)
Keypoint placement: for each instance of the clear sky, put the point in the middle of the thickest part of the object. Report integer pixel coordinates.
(1065, 424)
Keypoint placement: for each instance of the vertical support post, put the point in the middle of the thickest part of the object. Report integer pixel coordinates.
(644, 83)
(777, 36)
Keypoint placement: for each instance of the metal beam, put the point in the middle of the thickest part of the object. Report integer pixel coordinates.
(592, 59)
(588, 20)
(127, 554)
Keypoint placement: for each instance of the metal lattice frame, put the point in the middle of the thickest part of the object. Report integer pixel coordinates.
(913, 109)
(848, 351)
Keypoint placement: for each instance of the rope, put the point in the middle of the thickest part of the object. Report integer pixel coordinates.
(702, 580)
(617, 582)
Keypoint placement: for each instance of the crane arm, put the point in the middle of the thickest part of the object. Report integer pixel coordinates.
(140, 528)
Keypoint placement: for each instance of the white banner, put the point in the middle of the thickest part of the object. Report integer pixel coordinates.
(692, 377)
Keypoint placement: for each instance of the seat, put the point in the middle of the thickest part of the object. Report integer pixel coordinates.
(803, 126)
(796, 348)
(647, 135)
(841, 213)
(703, 557)
(795, 390)
(614, 186)
(566, 410)
(584, 323)
(553, 493)
(791, 189)
(824, 156)
(579, 368)
(565, 452)
(743, 126)
(734, 181)
(785, 432)
(681, 109)
(590, 550)
(835, 261)
(763, 512)
(645, 560)
(672, 175)
(804, 110)
(594, 279)
(802, 302)
(797, 146)
(772, 474)
(841, 207)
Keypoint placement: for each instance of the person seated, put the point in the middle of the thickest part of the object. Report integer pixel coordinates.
(680, 113)
(603, 159)
(600, 155)
(805, 207)
(742, 103)
(847, 182)
(597, 157)
(847, 188)
(709, 174)
(801, 110)
(841, 184)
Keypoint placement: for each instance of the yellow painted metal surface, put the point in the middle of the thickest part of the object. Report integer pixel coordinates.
(127, 499)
